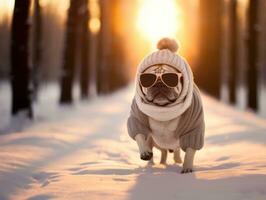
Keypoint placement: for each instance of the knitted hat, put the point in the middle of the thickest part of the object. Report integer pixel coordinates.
(166, 55)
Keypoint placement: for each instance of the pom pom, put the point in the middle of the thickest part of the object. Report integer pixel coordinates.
(167, 43)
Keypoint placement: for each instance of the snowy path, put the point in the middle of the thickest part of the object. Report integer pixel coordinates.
(84, 152)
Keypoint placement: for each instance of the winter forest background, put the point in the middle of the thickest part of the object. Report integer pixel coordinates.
(216, 42)
(67, 69)
(107, 39)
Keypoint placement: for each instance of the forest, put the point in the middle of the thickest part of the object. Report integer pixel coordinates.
(67, 79)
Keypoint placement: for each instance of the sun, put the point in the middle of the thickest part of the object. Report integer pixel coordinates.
(158, 18)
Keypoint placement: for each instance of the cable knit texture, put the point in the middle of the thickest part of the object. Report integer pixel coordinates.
(190, 129)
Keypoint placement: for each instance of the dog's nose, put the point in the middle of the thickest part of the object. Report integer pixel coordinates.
(159, 84)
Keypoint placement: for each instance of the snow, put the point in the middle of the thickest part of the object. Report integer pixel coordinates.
(83, 152)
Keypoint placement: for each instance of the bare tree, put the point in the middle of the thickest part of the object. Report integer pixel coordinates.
(37, 46)
(85, 54)
(4, 47)
(104, 48)
(262, 53)
(118, 70)
(233, 50)
(70, 52)
(110, 72)
(20, 70)
(208, 72)
(252, 71)
(242, 64)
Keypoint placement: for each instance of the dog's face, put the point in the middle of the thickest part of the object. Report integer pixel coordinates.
(159, 93)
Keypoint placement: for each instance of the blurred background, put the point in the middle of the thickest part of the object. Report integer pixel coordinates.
(96, 45)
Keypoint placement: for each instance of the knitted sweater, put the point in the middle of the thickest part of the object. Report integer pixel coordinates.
(190, 129)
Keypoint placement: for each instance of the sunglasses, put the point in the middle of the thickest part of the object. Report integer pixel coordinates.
(171, 80)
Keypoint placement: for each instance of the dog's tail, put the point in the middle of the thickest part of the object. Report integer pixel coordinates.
(168, 43)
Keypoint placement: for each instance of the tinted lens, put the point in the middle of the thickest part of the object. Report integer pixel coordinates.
(147, 80)
(170, 79)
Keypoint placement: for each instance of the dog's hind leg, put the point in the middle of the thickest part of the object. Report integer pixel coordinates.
(163, 156)
(177, 157)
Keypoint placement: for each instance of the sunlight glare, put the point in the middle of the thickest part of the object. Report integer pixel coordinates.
(44, 3)
(6, 8)
(158, 18)
(94, 22)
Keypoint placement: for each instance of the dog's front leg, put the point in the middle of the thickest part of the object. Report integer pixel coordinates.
(188, 161)
(144, 147)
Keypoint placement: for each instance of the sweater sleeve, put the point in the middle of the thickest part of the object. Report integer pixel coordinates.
(194, 139)
(137, 122)
(193, 127)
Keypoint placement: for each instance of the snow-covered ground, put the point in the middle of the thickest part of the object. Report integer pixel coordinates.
(84, 152)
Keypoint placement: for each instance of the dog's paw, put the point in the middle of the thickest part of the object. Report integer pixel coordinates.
(146, 155)
(186, 170)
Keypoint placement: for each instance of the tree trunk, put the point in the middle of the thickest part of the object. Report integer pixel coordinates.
(70, 52)
(241, 91)
(110, 72)
(37, 46)
(252, 75)
(233, 50)
(20, 70)
(225, 49)
(117, 70)
(85, 54)
(208, 72)
(104, 48)
(262, 59)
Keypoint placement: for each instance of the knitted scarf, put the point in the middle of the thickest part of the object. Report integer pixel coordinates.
(175, 109)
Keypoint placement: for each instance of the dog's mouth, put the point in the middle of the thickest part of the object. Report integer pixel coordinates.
(161, 95)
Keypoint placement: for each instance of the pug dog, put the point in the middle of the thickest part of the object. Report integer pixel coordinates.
(161, 94)
(166, 111)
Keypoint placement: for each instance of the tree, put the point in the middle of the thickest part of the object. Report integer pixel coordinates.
(85, 54)
(233, 50)
(208, 72)
(37, 46)
(20, 70)
(241, 52)
(4, 48)
(262, 44)
(104, 48)
(110, 72)
(70, 52)
(117, 69)
(253, 53)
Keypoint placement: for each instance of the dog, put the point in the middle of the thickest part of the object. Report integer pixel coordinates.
(166, 111)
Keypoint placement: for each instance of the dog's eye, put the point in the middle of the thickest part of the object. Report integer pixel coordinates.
(147, 79)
